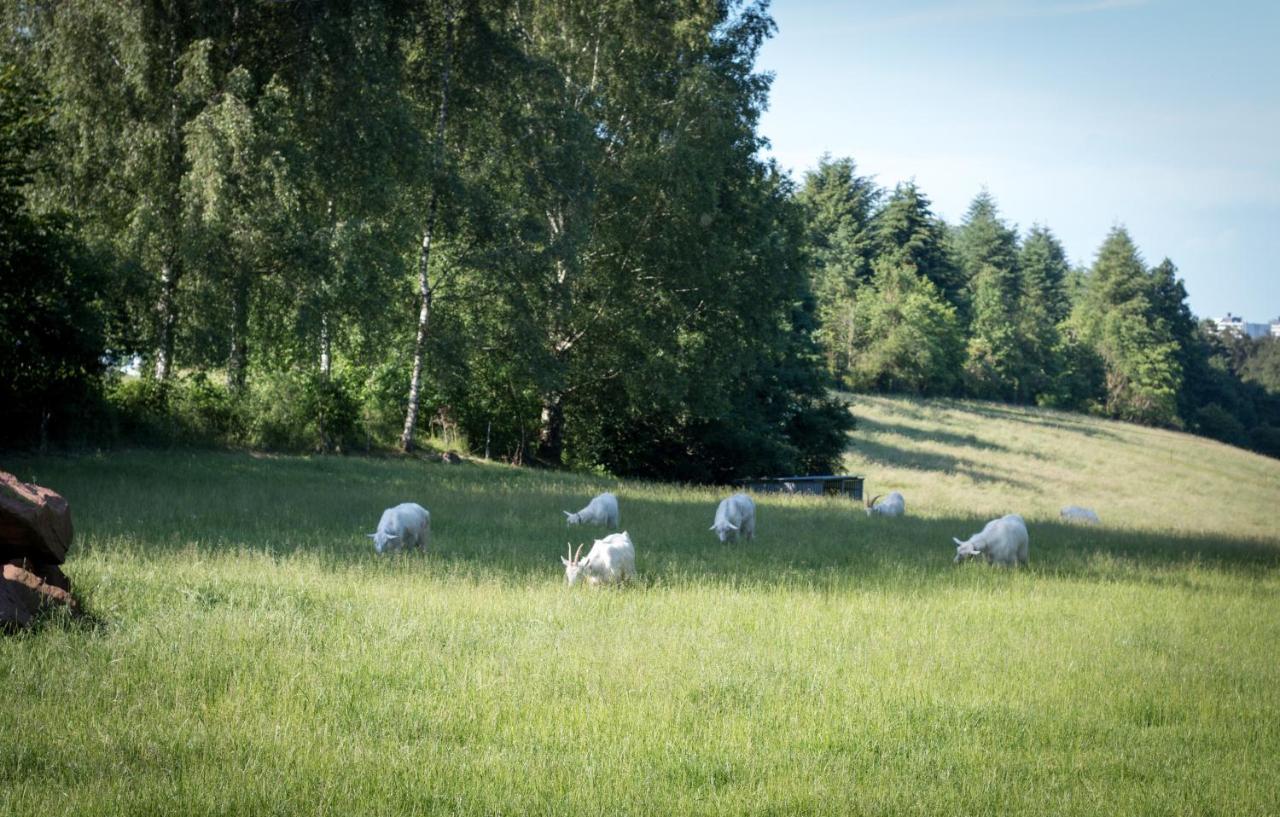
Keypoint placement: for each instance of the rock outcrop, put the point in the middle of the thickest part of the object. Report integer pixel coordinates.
(35, 522)
(35, 535)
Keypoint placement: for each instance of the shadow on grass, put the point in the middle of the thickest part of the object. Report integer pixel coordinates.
(1081, 425)
(56, 617)
(503, 523)
(881, 453)
(934, 436)
(834, 546)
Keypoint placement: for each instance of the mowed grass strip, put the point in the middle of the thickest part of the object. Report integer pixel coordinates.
(250, 654)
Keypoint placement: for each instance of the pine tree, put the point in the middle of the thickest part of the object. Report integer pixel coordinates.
(983, 241)
(1168, 298)
(907, 233)
(839, 206)
(996, 366)
(1045, 270)
(1044, 305)
(1115, 316)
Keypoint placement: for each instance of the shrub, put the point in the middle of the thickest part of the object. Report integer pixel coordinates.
(302, 411)
(1216, 422)
(1265, 439)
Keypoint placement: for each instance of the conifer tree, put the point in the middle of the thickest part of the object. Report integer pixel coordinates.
(996, 366)
(1045, 270)
(984, 241)
(907, 233)
(1044, 304)
(1116, 317)
(839, 206)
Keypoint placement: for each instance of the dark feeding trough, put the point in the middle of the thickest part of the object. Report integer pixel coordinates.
(829, 484)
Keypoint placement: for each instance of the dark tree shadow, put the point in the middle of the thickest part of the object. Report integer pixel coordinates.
(1061, 422)
(506, 523)
(937, 436)
(880, 453)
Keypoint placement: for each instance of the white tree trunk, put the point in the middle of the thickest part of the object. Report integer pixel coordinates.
(425, 292)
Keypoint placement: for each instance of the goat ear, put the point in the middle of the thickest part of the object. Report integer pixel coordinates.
(713, 527)
(957, 541)
(566, 513)
(372, 535)
(566, 561)
(731, 526)
(396, 536)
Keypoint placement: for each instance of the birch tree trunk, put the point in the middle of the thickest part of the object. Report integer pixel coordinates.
(326, 353)
(170, 267)
(551, 431)
(238, 357)
(420, 341)
(167, 313)
(425, 292)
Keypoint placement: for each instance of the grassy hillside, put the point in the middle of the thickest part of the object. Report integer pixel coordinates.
(252, 655)
(954, 457)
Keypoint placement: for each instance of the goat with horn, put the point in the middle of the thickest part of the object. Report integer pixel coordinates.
(611, 559)
(893, 505)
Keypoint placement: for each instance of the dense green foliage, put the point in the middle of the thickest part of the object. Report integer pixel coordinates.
(50, 315)
(546, 224)
(328, 226)
(1005, 317)
(252, 655)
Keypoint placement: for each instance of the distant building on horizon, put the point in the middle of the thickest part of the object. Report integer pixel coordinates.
(1238, 325)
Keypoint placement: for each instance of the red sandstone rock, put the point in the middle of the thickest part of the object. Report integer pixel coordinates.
(50, 573)
(44, 593)
(23, 594)
(35, 522)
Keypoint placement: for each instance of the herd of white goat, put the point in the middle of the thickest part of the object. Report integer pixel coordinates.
(1002, 541)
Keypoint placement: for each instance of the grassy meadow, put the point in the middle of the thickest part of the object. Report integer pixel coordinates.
(248, 653)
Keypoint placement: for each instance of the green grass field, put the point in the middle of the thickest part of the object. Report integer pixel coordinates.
(249, 653)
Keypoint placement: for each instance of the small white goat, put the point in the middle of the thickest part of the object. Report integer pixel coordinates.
(893, 505)
(1002, 541)
(736, 517)
(611, 559)
(405, 525)
(1083, 516)
(602, 510)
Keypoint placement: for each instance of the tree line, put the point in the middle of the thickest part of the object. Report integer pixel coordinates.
(329, 225)
(908, 303)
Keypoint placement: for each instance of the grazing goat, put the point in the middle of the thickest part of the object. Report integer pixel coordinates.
(893, 505)
(736, 517)
(405, 525)
(602, 510)
(1003, 541)
(1075, 513)
(611, 559)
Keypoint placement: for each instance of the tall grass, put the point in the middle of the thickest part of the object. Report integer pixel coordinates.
(250, 654)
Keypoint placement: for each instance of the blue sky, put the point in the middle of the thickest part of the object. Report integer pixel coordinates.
(1161, 115)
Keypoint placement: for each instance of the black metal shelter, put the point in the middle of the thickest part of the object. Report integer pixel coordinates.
(830, 484)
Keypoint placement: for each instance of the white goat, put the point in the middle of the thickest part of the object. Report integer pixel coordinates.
(405, 525)
(1002, 541)
(893, 505)
(736, 517)
(610, 560)
(1083, 516)
(602, 510)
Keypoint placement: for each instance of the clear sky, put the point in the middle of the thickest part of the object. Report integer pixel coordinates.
(1161, 115)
